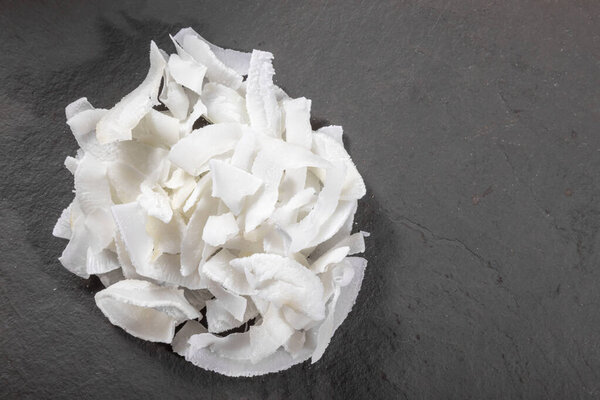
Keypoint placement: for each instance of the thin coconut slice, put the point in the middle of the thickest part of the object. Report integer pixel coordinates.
(335, 132)
(119, 122)
(236, 60)
(145, 310)
(224, 104)
(218, 269)
(157, 129)
(304, 232)
(271, 161)
(111, 277)
(235, 304)
(140, 245)
(344, 211)
(232, 184)
(220, 320)
(216, 70)
(326, 329)
(277, 241)
(330, 149)
(174, 98)
(261, 101)
(177, 178)
(125, 181)
(202, 186)
(354, 242)
(91, 185)
(192, 245)
(131, 222)
(101, 262)
(196, 149)
(245, 151)
(283, 281)
(297, 122)
(180, 195)
(71, 163)
(226, 355)
(295, 343)
(167, 269)
(148, 160)
(77, 107)
(155, 202)
(74, 255)
(298, 132)
(270, 335)
(180, 341)
(187, 72)
(287, 214)
(198, 110)
(349, 293)
(219, 229)
(124, 261)
(167, 236)
(62, 229)
(85, 121)
(333, 256)
(339, 307)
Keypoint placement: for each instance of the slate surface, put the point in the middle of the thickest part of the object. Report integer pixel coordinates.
(475, 126)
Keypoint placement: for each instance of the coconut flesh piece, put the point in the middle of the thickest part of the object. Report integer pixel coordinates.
(247, 215)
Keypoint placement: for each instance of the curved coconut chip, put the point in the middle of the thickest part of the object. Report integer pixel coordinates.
(145, 310)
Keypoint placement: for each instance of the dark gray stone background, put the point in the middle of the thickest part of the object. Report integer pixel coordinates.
(475, 126)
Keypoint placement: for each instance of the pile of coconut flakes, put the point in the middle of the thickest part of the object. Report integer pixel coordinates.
(204, 198)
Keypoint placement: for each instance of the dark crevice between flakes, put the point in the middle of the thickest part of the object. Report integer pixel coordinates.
(200, 123)
(161, 106)
(203, 320)
(93, 284)
(240, 329)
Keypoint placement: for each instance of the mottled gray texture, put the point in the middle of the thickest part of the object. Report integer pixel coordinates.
(475, 126)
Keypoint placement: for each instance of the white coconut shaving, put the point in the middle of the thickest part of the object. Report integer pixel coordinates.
(206, 191)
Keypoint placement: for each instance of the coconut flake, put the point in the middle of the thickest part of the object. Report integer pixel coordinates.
(220, 320)
(145, 310)
(283, 281)
(232, 184)
(335, 132)
(187, 72)
(261, 101)
(219, 270)
(236, 60)
(333, 256)
(192, 244)
(180, 341)
(77, 107)
(224, 104)
(297, 122)
(118, 122)
(230, 355)
(196, 149)
(216, 70)
(219, 229)
(156, 203)
(233, 303)
(62, 229)
(269, 336)
(101, 262)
